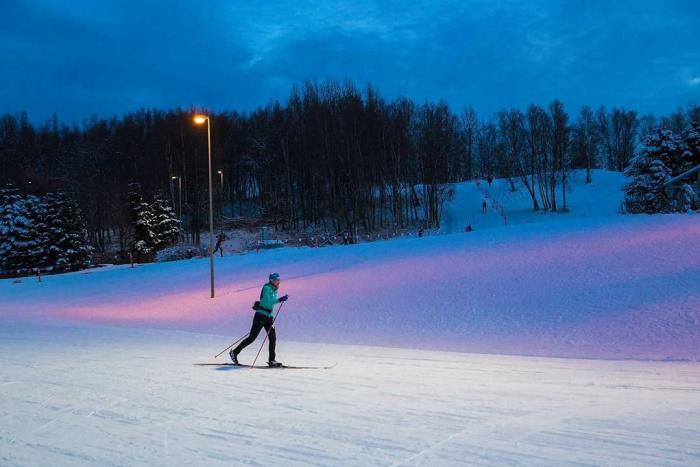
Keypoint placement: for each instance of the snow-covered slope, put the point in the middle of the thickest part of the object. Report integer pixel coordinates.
(104, 397)
(599, 199)
(602, 286)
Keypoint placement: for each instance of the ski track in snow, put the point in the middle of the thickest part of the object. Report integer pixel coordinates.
(109, 397)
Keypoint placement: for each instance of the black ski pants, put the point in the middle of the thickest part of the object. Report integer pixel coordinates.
(259, 322)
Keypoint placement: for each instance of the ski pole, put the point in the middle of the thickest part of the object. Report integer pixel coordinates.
(267, 333)
(240, 339)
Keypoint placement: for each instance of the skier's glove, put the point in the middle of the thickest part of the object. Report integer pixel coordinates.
(283, 298)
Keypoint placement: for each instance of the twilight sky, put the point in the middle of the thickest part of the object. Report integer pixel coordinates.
(108, 57)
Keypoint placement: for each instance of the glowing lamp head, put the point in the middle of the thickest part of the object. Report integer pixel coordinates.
(199, 119)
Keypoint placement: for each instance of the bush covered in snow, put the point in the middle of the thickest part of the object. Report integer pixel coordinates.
(174, 253)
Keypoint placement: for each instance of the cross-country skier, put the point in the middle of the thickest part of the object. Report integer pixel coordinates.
(263, 319)
(219, 239)
(484, 206)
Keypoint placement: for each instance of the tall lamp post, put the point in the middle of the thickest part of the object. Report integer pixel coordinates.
(199, 120)
(221, 200)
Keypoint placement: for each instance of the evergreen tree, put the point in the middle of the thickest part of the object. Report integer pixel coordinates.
(67, 246)
(166, 226)
(23, 243)
(143, 240)
(135, 200)
(10, 207)
(691, 140)
(645, 192)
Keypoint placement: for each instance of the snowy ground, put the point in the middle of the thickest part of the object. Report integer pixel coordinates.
(600, 199)
(96, 366)
(79, 396)
(588, 288)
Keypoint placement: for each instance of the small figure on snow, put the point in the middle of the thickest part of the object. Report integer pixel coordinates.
(484, 206)
(489, 179)
(468, 228)
(420, 232)
(219, 239)
(263, 319)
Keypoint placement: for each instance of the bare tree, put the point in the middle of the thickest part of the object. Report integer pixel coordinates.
(470, 124)
(560, 150)
(618, 134)
(513, 140)
(585, 142)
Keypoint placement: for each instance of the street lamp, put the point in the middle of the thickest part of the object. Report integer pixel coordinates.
(199, 119)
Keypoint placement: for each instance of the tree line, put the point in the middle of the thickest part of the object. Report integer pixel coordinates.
(332, 156)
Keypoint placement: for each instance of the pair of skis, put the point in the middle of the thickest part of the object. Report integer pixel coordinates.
(260, 367)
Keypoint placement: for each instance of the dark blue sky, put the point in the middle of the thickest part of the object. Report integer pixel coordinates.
(107, 57)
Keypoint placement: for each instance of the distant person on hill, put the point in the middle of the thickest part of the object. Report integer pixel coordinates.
(468, 228)
(263, 319)
(484, 206)
(219, 239)
(489, 179)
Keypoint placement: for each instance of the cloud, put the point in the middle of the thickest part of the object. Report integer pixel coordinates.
(82, 57)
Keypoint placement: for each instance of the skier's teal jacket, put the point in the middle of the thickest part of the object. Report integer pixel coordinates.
(268, 300)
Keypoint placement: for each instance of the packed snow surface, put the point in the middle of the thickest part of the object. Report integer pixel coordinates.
(103, 397)
(448, 348)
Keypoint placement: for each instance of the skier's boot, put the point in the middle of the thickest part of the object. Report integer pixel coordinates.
(274, 364)
(234, 357)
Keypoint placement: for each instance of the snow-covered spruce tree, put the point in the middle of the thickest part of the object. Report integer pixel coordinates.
(648, 172)
(66, 245)
(670, 149)
(23, 232)
(690, 197)
(691, 140)
(135, 200)
(10, 208)
(143, 239)
(166, 226)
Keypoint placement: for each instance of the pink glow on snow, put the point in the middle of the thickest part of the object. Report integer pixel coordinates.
(610, 291)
